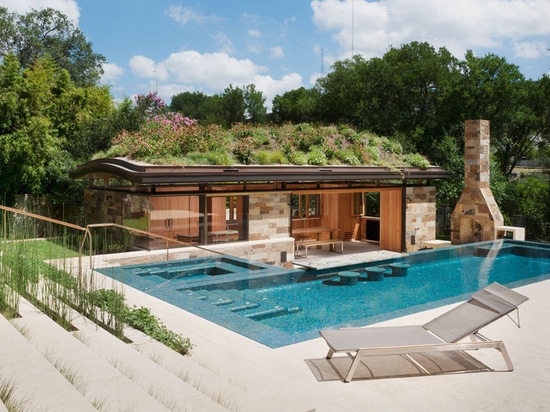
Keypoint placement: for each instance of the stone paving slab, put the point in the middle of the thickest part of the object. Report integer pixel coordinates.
(145, 372)
(100, 383)
(39, 386)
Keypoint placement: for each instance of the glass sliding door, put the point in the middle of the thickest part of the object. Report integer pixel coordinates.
(227, 218)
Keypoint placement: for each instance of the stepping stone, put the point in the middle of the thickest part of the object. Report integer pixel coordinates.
(348, 278)
(399, 269)
(375, 273)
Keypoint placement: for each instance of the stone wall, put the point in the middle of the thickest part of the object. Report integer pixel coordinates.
(269, 215)
(476, 214)
(420, 220)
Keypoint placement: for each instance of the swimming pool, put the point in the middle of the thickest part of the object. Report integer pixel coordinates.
(278, 307)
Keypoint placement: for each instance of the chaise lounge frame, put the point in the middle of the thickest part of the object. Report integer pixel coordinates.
(441, 334)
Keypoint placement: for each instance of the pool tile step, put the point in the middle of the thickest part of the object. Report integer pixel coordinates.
(248, 303)
(244, 306)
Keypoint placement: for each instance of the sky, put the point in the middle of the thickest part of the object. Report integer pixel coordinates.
(173, 46)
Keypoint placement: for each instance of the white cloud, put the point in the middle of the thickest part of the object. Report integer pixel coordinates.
(210, 73)
(277, 52)
(254, 33)
(373, 26)
(215, 71)
(183, 15)
(225, 45)
(111, 72)
(271, 87)
(531, 50)
(145, 67)
(67, 7)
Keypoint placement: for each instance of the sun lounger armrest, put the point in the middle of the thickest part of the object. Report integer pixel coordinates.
(499, 298)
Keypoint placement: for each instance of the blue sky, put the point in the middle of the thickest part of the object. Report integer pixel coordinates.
(175, 46)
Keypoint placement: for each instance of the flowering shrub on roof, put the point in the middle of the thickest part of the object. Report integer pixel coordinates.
(162, 135)
(150, 105)
(175, 139)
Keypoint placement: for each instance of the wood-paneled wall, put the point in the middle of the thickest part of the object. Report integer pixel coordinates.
(391, 207)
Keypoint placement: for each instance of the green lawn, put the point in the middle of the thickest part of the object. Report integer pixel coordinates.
(41, 249)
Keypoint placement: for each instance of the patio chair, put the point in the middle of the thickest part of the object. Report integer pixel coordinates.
(438, 335)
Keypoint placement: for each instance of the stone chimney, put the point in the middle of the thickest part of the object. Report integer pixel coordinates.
(476, 214)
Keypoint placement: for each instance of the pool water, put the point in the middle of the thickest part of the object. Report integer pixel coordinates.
(278, 307)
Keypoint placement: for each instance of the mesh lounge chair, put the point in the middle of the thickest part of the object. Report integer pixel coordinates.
(440, 334)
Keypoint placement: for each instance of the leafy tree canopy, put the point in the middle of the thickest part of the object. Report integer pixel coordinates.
(50, 32)
(43, 124)
(234, 105)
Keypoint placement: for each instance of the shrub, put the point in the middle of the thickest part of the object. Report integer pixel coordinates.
(298, 158)
(348, 157)
(264, 157)
(367, 155)
(416, 160)
(391, 146)
(141, 319)
(317, 157)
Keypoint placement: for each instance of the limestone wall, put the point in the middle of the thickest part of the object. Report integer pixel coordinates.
(269, 215)
(476, 214)
(420, 220)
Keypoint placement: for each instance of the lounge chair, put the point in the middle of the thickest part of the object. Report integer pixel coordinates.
(440, 334)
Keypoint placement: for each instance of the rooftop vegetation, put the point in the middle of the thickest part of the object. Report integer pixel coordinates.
(177, 140)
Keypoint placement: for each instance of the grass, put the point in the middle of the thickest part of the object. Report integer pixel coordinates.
(42, 249)
(9, 398)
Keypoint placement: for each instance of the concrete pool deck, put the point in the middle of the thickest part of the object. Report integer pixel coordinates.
(281, 379)
(353, 252)
(231, 372)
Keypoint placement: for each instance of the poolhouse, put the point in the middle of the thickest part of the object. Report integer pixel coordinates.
(264, 210)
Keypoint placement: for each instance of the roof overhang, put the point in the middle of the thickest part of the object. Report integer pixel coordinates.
(147, 174)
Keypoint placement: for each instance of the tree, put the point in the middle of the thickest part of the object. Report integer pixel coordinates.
(406, 93)
(254, 104)
(192, 104)
(41, 128)
(50, 32)
(29, 143)
(497, 91)
(342, 91)
(232, 106)
(296, 106)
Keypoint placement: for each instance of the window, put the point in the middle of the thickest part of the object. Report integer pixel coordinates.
(372, 204)
(357, 204)
(306, 206)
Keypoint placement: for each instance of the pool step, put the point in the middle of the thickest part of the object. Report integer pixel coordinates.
(264, 307)
(271, 312)
(214, 297)
(179, 272)
(248, 303)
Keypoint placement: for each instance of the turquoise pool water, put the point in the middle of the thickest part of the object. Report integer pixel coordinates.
(278, 307)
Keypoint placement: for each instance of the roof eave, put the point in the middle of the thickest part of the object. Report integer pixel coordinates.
(140, 173)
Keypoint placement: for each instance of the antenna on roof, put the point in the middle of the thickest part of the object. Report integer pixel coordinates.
(155, 77)
(352, 28)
